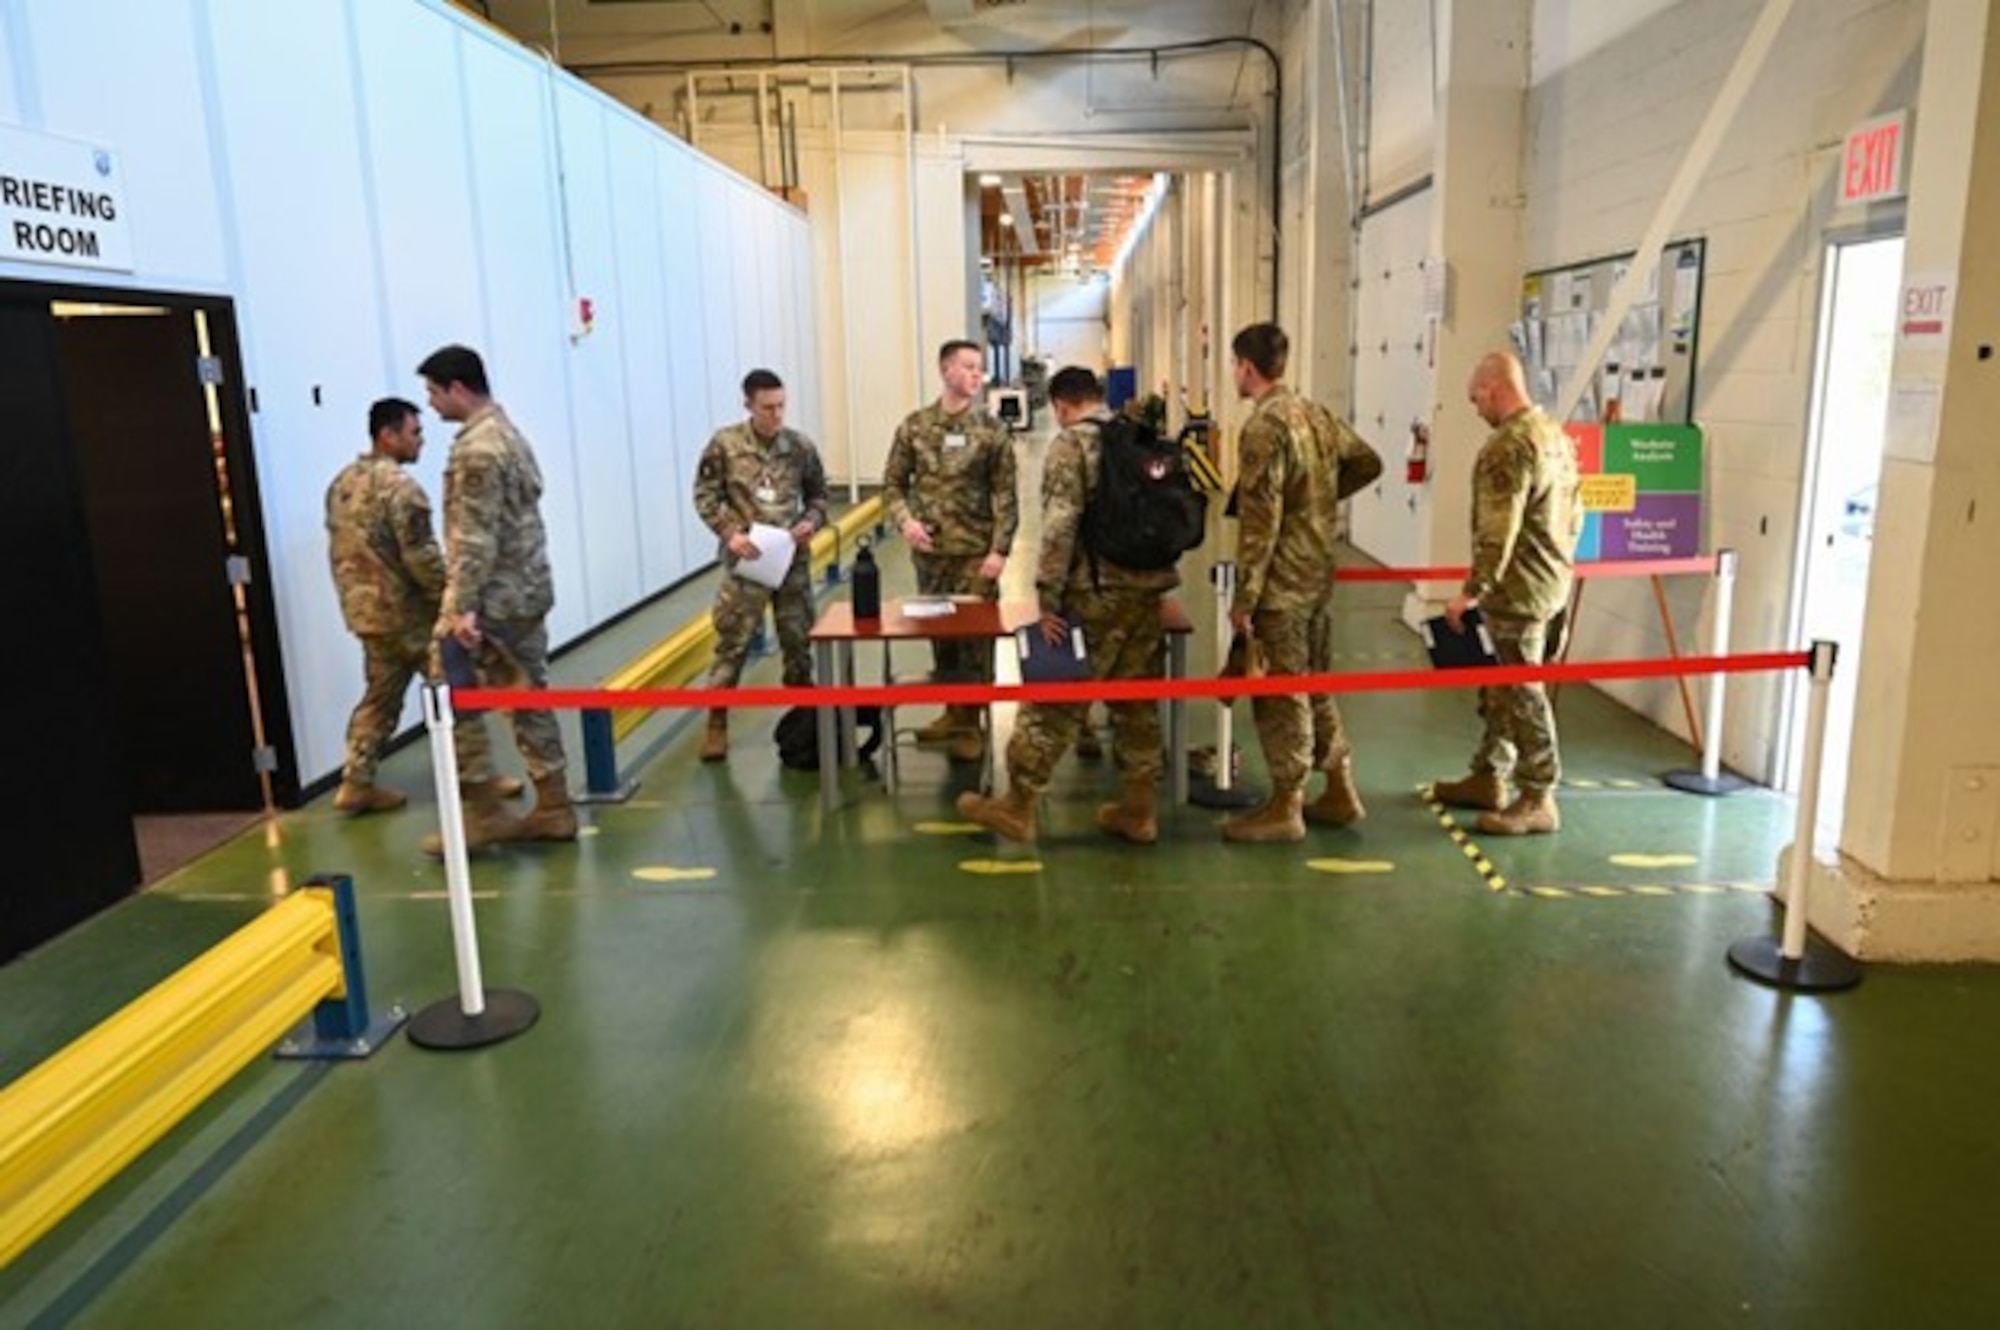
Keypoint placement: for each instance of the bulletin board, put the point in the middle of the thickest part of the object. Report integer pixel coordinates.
(1648, 373)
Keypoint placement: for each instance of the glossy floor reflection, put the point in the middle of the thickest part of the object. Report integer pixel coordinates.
(796, 1071)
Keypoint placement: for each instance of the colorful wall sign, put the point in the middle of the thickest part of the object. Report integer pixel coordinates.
(1641, 491)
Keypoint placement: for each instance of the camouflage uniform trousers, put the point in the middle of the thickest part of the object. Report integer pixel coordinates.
(1520, 738)
(1123, 637)
(739, 609)
(536, 733)
(1299, 734)
(957, 575)
(389, 662)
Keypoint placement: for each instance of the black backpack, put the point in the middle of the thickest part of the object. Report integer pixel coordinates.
(1145, 512)
(797, 734)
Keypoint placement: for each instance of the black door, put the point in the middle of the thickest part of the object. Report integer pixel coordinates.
(138, 420)
(64, 814)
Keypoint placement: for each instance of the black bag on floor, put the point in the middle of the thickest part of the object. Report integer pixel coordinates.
(797, 734)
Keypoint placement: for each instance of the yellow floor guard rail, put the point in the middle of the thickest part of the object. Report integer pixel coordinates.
(68, 1126)
(681, 657)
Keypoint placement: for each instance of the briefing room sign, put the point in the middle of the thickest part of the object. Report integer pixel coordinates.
(61, 202)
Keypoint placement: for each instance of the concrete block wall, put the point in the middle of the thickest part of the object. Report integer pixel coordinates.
(1606, 134)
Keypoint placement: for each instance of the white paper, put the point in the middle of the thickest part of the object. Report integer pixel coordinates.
(775, 548)
(927, 607)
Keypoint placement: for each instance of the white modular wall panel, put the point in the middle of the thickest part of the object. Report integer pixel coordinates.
(516, 225)
(679, 238)
(599, 424)
(129, 76)
(16, 70)
(639, 314)
(415, 133)
(797, 303)
(760, 340)
(720, 302)
(312, 327)
(1392, 383)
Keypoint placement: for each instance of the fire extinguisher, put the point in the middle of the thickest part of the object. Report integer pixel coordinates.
(1417, 462)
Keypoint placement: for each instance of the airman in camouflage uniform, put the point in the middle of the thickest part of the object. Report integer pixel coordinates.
(1297, 462)
(1119, 612)
(759, 472)
(1527, 513)
(389, 572)
(949, 487)
(497, 586)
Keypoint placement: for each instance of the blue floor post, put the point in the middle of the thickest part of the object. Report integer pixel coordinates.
(600, 762)
(341, 1027)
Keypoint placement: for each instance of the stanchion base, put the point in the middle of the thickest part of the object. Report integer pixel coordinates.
(1822, 969)
(306, 1045)
(444, 1024)
(625, 790)
(1693, 782)
(1203, 792)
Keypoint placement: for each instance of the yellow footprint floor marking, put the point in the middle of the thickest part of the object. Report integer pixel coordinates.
(948, 828)
(1349, 866)
(1654, 860)
(995, 867)
(666, 874)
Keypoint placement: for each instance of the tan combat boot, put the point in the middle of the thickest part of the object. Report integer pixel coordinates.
(966, 746)
(487, 822)
(946, 726)
(1529, 815)
(355, 800)
(715, 744)
(1135, 817)
(1278, 818)
(1482, 790)
(1011, 815)
(1341, 804)
(554, 817)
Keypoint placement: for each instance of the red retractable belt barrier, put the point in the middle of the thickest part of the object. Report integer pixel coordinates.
(1117, 690)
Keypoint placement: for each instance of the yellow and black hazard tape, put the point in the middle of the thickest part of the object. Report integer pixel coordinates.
(1201, 467)
(1461, 838)
(1650, 891)
(1496, 882)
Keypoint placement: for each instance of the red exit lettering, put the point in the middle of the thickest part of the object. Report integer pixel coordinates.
(1871, 164)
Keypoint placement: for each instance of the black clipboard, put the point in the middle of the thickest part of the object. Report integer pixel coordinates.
(1044, 662)
(1452, 650)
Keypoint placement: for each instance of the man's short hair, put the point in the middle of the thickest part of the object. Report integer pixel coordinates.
(956, 345)
(456, 364)
(1265, 346)
(1074, 383)
(389, 413)
(760, 381)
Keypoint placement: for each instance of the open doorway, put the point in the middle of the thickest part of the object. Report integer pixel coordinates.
(1858, 305)
(131, 427)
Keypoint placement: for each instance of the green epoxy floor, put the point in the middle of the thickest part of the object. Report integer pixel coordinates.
(844, 1082)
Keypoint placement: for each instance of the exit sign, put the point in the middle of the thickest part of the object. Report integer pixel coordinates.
(1871, 161)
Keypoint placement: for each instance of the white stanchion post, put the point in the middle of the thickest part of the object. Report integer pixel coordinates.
(478, 1015)
(1793, 962)
(1219, 790)
(440, 721)
(1710, 780)
(1805, 827)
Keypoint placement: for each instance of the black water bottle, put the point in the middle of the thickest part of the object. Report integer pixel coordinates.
(867, 584)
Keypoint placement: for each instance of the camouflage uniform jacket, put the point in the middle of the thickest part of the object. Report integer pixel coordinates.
(743, 479)
(386, 561)
(496, 550)
(1298, 463)
(955, 474)
(1069, 478)
(1527, 513)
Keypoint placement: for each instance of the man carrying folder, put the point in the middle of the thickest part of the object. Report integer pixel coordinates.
(1118, 609)
(1527, 513)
